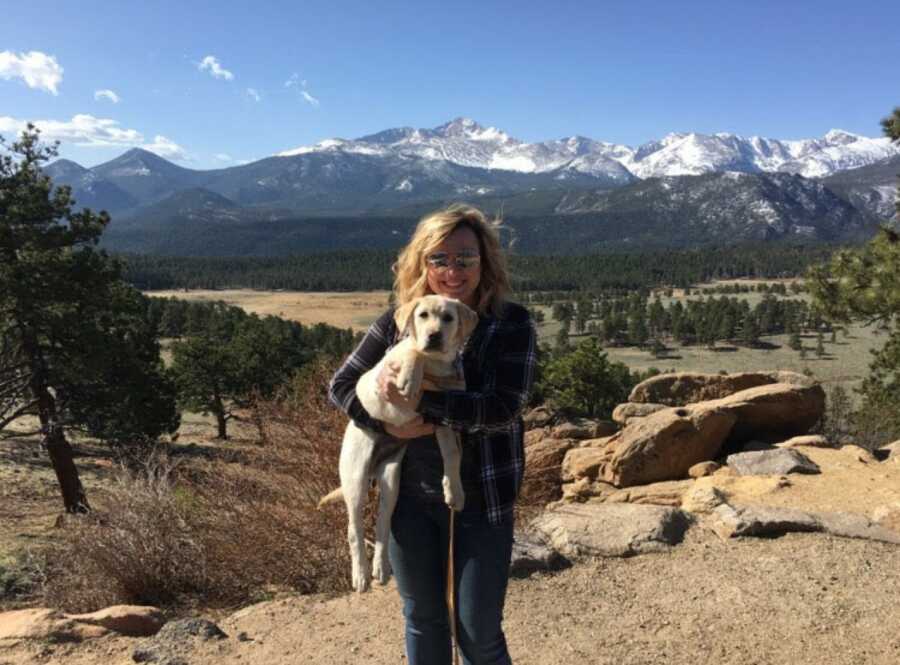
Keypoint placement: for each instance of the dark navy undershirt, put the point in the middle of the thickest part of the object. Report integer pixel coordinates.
(423, 471)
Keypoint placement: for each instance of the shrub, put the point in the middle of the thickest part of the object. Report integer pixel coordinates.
(583, 382)
(137, 547)
(21, 577)
(219, 532)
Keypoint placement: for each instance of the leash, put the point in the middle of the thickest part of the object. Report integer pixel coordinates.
(451, 593)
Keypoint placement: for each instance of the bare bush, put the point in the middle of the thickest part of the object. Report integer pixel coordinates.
(137, 547)
(218, 532)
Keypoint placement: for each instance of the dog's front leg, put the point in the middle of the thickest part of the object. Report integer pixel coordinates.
(448, 440)
(410, 373)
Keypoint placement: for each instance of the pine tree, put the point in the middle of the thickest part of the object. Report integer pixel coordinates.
(76, 348)
(891, 127)
(820, 345)
(584, 382)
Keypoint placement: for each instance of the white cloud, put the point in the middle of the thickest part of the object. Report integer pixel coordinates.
(37, 69)
(223, 157)
(87, 131)
(254, 95)
(294, 81)
(108, 95)
(309, 98)
(211, 64)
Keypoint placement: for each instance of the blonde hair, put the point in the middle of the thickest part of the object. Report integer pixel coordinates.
(411, 270)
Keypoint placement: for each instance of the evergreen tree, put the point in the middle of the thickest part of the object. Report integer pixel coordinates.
(584, 382)
(220, 370)
(76, 348)
(562, 338)
(749, 330)
(891, 127)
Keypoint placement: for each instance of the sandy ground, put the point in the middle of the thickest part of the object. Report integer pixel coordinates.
(802, 598)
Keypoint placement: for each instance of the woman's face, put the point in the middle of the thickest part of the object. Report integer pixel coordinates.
(454, 268)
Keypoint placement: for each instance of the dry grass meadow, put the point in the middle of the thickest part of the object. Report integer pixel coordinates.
(846, 360)
(343, 310)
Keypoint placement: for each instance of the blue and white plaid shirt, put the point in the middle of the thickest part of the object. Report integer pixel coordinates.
(498, 362)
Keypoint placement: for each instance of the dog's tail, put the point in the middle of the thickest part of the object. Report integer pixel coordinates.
(331, 497)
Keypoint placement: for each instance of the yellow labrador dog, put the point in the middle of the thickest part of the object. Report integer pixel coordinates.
(436, 329)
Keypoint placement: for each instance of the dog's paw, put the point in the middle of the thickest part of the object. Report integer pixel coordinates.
(381, 570)
(404, 384)
(361, 579)
(454, 496)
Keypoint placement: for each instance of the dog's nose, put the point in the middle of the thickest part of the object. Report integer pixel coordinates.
(434, 341)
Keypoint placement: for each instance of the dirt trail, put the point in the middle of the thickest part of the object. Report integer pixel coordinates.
(802, 598)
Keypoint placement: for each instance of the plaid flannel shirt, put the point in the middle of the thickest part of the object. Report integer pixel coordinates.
(498, 363)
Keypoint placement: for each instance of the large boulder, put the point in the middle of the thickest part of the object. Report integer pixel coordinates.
(772, 412)
(611, 529)
(662, 446)
(681, 388)
(584, 428)
(540, 416)
(767, 521)
(630, 411)
(44, 625)
(131, 620)
(583, 463)
(543, 461)
(776, 462)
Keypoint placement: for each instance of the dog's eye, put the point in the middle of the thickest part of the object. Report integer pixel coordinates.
(447, 318)
(423, 315)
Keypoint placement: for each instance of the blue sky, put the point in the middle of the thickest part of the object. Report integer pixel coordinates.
(285, 74)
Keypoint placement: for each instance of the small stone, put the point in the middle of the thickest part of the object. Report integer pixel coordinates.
(702, 499)
(702, 469)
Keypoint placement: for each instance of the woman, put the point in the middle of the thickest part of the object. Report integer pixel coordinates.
(455, 253)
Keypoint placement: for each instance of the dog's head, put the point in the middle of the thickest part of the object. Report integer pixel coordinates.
(437, 325)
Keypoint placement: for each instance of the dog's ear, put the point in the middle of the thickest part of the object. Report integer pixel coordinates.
(468, 319)
(403, 317)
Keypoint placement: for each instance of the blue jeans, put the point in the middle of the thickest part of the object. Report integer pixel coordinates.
(418, 551)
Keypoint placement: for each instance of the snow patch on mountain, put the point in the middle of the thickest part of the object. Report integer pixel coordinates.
(463, 141)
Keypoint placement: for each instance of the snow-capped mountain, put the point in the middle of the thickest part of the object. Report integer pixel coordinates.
(463, 141)
(466, 143)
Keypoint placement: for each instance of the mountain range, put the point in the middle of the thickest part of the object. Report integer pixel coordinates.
(723, 187)
(463, 141)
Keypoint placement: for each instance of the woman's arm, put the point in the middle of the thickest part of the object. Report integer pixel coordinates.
(342, 389)
(507, 383)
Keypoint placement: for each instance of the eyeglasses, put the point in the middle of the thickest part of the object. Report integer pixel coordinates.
(462, 261)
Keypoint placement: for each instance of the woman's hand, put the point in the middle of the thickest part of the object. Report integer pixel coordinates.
(411, 430)
(388, 391)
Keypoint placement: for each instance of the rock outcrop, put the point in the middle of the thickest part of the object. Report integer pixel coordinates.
(49, 625)
(666, 442)
(664, 445)
(628, 412)
(682, 388)
(617, 529)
